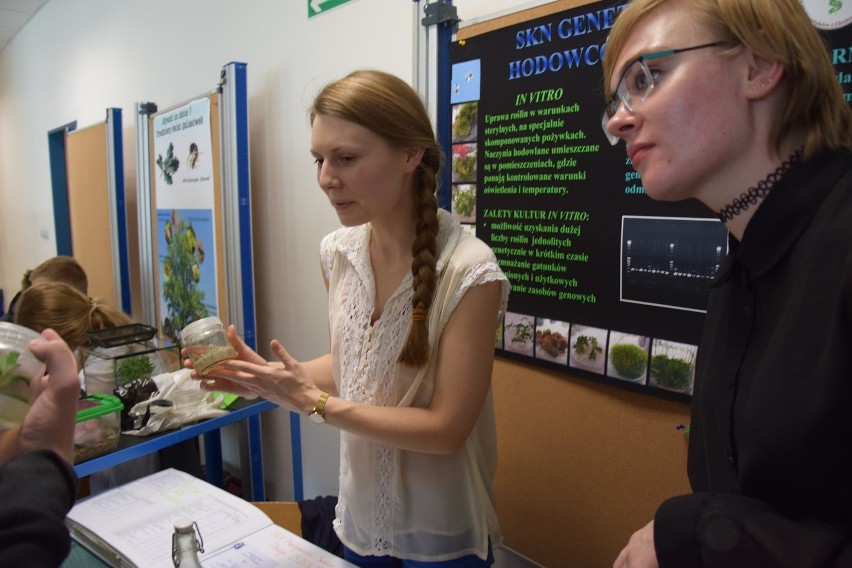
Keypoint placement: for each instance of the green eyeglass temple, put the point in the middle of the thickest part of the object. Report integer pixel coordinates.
(668, 52)
(619, 98)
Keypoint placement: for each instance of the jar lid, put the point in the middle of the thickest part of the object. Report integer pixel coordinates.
(17, 335)
(121, 335)
(200, 326)
(183, 525)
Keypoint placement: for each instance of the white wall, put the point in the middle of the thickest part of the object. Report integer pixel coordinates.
(76, 58)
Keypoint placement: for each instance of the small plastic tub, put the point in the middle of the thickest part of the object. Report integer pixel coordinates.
(98, 426)
(18, 369)
(206, 344)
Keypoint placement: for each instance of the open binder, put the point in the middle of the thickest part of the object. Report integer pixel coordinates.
(132, 525)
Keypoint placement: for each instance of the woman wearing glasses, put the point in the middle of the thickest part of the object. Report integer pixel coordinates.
(735, 103)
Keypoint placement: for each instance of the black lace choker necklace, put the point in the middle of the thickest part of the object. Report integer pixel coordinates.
(755, 194)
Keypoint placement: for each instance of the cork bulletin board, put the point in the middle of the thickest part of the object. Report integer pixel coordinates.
(582, 464)
(88, 208)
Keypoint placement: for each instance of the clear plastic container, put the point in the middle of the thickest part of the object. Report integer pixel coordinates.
(206, 344)
(107, 368)
(98, 426)
(18, 368)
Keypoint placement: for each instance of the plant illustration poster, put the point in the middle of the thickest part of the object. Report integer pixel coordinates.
(184, 192)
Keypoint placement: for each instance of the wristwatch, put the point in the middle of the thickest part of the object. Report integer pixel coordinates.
(317, 415)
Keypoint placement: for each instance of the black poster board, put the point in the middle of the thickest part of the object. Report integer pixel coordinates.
(607, 284)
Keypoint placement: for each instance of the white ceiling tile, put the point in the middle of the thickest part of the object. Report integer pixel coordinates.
(14, 14)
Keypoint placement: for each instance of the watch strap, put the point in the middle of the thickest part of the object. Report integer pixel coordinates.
(319, 407)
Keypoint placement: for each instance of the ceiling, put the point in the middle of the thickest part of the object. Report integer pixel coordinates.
(13, 15)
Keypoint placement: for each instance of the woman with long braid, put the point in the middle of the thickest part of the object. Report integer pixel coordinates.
(414, 303)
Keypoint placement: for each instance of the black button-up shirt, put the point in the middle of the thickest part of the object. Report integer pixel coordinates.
(770, 453)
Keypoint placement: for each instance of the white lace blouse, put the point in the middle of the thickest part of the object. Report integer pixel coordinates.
(395, 502)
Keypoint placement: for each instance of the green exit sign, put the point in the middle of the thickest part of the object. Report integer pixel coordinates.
(317, 7)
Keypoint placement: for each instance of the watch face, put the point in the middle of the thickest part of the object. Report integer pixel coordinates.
(316, 418)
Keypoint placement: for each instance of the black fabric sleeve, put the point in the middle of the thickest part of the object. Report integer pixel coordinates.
(37, 489)
(316, 525)
(733, 531)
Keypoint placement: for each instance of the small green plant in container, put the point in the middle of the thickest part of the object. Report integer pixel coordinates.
(133, 368)
(464, 162)
(628, 360)
(9, 377)
(522, 331)
(465, 120)
(670, 372)
(18, 368)
(464, 202)
(209, 356)
(587, 347)
(206, 344)
(552, 342)
(13, 388)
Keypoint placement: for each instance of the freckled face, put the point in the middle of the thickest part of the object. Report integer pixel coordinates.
(364, 177)
(692, 124)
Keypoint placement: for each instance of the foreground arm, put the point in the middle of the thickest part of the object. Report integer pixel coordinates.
(463, 377)
(37, 489)
(318, 371)
(49, 423)
(37, 484)
(723, 530)
(639, 552)
(223, 376)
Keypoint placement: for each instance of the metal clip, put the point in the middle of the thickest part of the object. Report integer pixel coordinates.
(440, 13)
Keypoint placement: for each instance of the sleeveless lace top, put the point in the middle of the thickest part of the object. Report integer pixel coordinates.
(394, 502)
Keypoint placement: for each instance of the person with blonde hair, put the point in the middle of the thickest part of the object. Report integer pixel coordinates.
(68, 311)
(64, 269)
(735, 103)
(414, 303)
